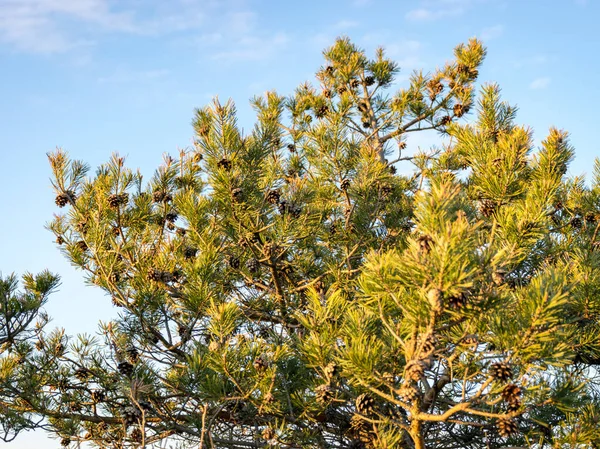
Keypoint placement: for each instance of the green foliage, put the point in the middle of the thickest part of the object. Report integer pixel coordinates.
(289, 288)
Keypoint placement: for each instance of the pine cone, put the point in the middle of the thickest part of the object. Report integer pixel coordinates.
(65, 442)
(435, 87)
(345, 184)
(260, 364)
(513, 406)
(369, 80)
(462, 69)
(386, 190)
(444, 120)
(507, 427)
(125, 368)
(82, 374)
(273, 196)
(501, 371)
(487, 207)
(136, 435)
(233, 262)
(98, 396)
(457, 301)
(459, 110)
(189, 252)
(414, 370)
(365, 404)
(130, 415)
(576, 223)
(62, 199)
(512, 394)
(161, 197)
(427, 344)
(59, 240)
(132, 354)
(171, 216)
(81, 245)
(331, 370)
(252, 265)
(225, 164)
(425, 241)
(362, 430)
(322, 111)
(354, 83)
(327, 93)
(154, 275)
(237, 195)
(409, 393)
(113, 201)
(291, 147)
(499, 277)
(323, 393)
(435, 297)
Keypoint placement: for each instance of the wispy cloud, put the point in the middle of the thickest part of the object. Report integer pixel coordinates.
(346, 24)
(252, 47)
(540, 83)
(237, 36)
(492, 32)
(531, 61)
(228, 30)
(431, 10)
(35, 25)
(57, 26)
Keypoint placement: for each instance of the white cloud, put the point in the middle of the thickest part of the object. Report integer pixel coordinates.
(534, 60)
(540, 83)
(492, 32)
(345, 24)
(252, 47)
(35, 25)
(54, 26)
(420, 14)
(438, 9)
(221, 30)
(406, 53)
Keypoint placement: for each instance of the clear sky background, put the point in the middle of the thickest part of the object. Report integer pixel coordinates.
(103, 76)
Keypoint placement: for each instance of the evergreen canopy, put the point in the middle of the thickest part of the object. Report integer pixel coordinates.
(290, 288)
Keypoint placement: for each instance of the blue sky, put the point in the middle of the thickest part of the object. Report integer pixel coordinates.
(98, 76)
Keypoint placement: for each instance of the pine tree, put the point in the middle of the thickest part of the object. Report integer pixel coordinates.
(290, 288)
(21, 321)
